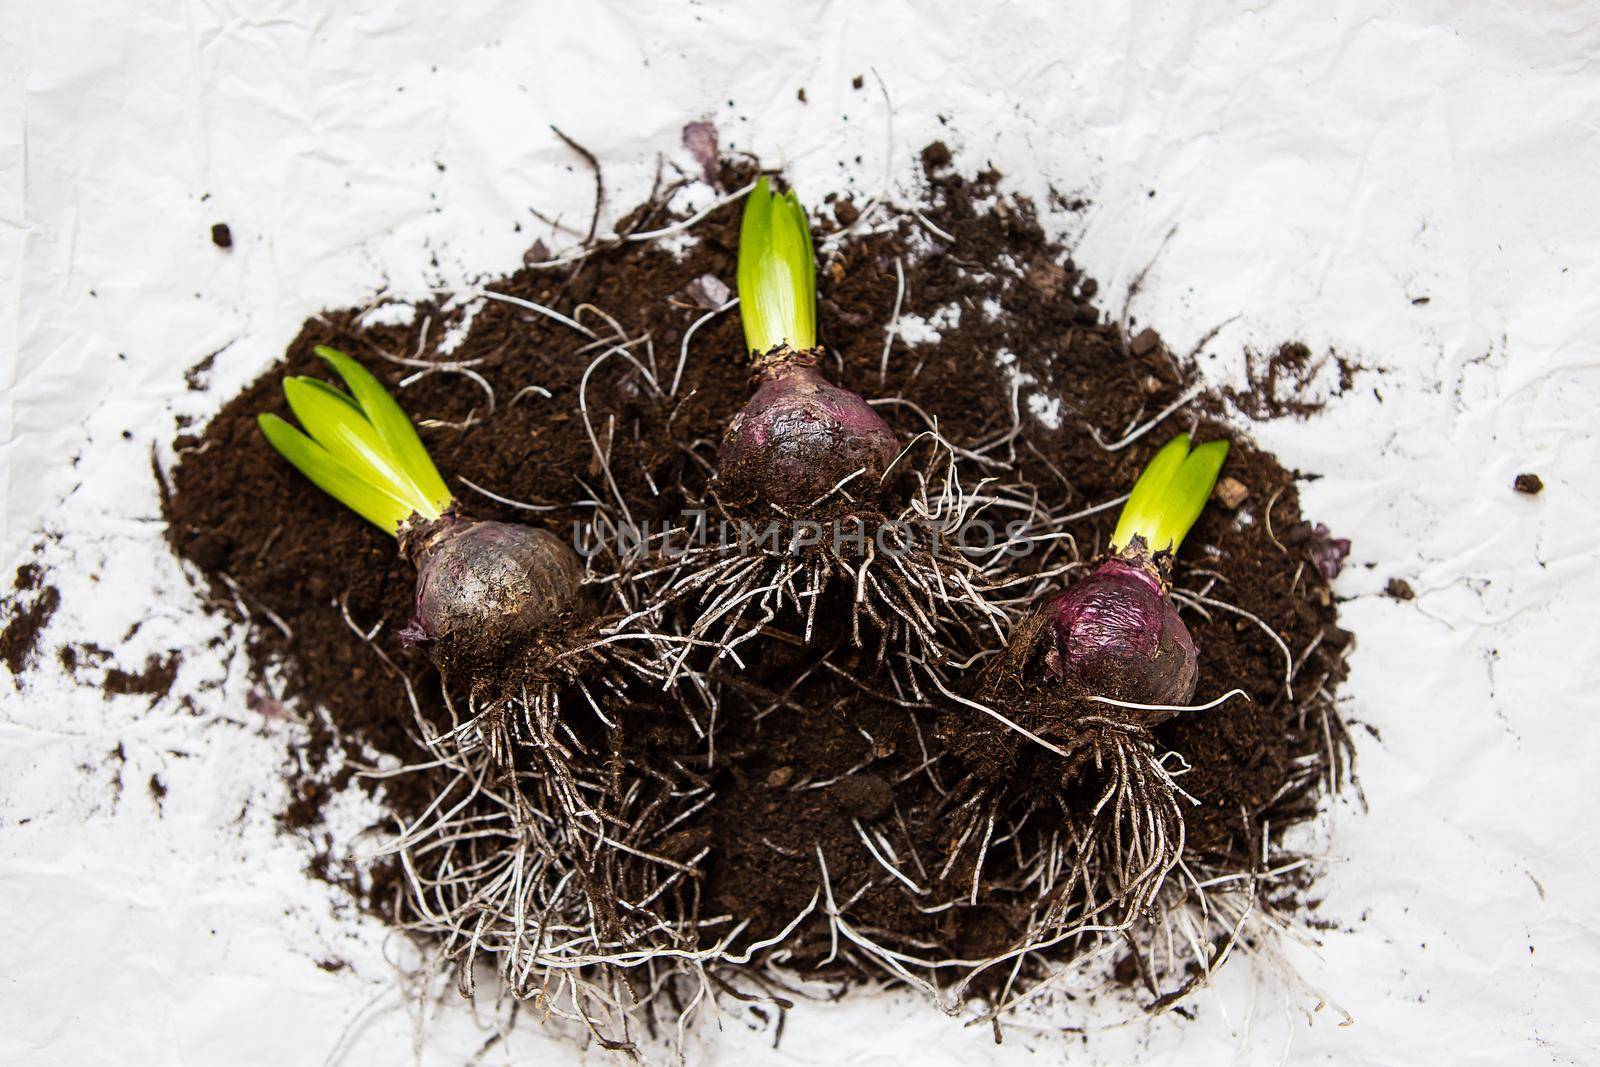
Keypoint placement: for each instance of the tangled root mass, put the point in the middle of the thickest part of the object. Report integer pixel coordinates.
(740, 771)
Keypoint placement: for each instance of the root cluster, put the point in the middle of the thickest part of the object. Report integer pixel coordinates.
(571, 836)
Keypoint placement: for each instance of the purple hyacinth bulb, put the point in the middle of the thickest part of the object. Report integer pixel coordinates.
(491, 583)
(800, 435)
(1118, 635)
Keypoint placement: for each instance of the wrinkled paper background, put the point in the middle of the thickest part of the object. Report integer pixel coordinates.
(1324, 166)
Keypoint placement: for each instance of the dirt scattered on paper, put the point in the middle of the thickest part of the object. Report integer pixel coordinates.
(27, 610)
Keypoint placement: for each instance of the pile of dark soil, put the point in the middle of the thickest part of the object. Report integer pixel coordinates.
(1007, 301)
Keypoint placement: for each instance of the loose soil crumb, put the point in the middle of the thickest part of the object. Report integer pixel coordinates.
(155, 679)
(1280, 383)
(1010, 320)
(1528, 484)
(116, 759)
(30, 606)
(198, 377)
(75, 658)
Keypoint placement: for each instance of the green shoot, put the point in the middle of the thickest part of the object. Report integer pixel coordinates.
(358, 447)
(1169, 495)
(777, 272)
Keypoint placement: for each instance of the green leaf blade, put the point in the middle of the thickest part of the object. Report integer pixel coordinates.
(777, 273)
(1141, 514)
(328, 474)
(331, 391)
(793, 251)
(340, 427)
(1170, 495)
(755, 230)
(393, 425)
(1188, 491)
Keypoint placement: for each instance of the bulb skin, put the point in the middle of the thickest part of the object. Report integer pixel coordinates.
(490, 584)
(1117, 634)
(799, 435)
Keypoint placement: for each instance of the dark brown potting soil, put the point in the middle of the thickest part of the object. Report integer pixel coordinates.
(28, 609)
(1013, 302)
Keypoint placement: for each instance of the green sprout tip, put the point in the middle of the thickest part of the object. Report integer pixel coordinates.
(1169, 495)
(777, 272)
(358, 447)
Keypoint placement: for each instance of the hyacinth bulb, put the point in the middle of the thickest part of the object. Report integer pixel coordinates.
(491, 583)
(1117, 634)
(487, 583)
(800, 435)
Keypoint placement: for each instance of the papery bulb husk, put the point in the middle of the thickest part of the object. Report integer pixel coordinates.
(1118, 634)
(800, 435)
(489, 585)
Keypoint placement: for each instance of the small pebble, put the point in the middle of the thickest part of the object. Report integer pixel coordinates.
(1232, 492)
(780, 777)
(538, 253)
(709, 292)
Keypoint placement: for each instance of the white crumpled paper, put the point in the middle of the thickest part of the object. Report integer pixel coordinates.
(1305, 171)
